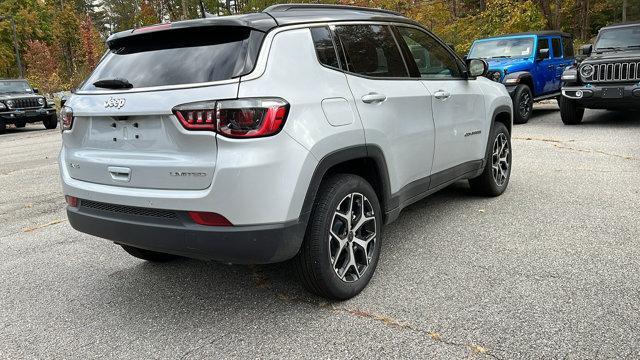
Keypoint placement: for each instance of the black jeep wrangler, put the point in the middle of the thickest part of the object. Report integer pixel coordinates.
(607, 78)
(20, 104)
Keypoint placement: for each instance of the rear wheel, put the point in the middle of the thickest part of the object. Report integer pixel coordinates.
(51, 122)
(494, 179)
(341, 247)
(148, 255)
(570, 112)
(3, 126)
(522, 104)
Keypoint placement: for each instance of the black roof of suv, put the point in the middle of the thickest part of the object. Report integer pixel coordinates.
(275, 16)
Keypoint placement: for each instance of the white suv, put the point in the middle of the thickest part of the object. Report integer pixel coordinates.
(295, 133)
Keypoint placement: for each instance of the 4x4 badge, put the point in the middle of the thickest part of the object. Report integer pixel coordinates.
(114, 103)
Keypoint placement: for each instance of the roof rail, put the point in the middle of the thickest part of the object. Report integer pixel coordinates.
(287, 7)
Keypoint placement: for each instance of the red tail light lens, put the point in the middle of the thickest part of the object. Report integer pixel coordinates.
(72, 201)
(209, 218)
(66, 118)
(242, 118)
(197, 116)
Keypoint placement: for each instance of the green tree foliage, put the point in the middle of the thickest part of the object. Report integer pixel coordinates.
(60, 41)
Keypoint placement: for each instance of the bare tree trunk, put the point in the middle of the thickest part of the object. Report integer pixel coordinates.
(625, 4)
(185, 14)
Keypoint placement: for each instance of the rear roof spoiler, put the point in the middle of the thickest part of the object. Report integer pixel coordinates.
(260, 21)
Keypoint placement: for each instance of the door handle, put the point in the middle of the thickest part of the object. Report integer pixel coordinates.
(442, 95)
(374, 98)
(121, 174)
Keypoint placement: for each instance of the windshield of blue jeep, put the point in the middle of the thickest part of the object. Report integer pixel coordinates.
(502, 48)
(624, 37)
(14, 87)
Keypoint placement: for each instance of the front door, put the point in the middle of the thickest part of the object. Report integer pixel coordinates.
(545, 69)
(458, 105)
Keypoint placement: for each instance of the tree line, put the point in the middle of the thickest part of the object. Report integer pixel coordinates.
(60, 41)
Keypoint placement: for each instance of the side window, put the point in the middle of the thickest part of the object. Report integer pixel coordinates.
(543, 44)
(432, 59)
(325, 50)
(567, 45)
(371, 50)
(557, 48)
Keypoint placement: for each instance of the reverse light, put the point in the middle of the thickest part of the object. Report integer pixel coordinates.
(72, 201)
(209, 218)
(241, 118)
(66, 118)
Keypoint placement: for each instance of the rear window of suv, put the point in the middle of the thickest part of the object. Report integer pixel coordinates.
(180, 56)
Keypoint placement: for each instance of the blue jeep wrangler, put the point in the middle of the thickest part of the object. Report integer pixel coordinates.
(530, 65)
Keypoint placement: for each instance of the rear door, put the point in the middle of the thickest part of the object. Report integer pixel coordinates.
(130, 137)
(395, 109)
(457, 102)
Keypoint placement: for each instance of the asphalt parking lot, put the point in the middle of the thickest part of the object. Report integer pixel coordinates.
(548, 270)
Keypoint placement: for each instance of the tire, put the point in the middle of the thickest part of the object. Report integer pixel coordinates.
(570, 112)
(497, 171)
(51, 122)
(149, 255)
(522, 104)
(3, 126)
(332, 261)
(20, 124)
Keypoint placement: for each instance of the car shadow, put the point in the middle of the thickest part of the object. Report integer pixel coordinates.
(611, 119)
(27, 129)
(202, 286)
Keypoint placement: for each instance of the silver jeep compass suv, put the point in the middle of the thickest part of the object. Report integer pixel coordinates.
(295, 133)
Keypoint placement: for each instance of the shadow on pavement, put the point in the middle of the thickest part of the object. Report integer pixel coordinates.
(612, 119)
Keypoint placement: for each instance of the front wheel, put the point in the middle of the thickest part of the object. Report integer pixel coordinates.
(497, 171)
(51, 122)
(3, 126)
(570, 113)
(522, 104)
(342, 244)
(151, 256)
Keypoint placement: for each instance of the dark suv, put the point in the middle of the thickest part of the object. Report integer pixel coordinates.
(20, 104)
(609, 76)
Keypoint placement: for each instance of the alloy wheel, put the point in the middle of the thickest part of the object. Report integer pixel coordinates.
(525, 105)
(352, 237)
(500, 159)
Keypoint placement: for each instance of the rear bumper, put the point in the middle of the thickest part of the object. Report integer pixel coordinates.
(177, 234)
(28, 116)
(605, 97)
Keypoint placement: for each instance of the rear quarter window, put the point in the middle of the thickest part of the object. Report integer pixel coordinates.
(177, 57)
(325, 49)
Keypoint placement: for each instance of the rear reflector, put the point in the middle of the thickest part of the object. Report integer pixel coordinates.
(209, 218)
(72, 201)
(241, 118)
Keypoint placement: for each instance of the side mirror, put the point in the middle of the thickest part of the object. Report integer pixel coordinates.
(36, 91)
(465, 58)
(477, 67)
(543, 54)
(586, 49)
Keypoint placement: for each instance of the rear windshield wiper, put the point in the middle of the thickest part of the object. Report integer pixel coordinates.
(115, 83)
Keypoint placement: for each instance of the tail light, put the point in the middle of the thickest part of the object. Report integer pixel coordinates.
(66, 118)
(209, 218)
(242, 118)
